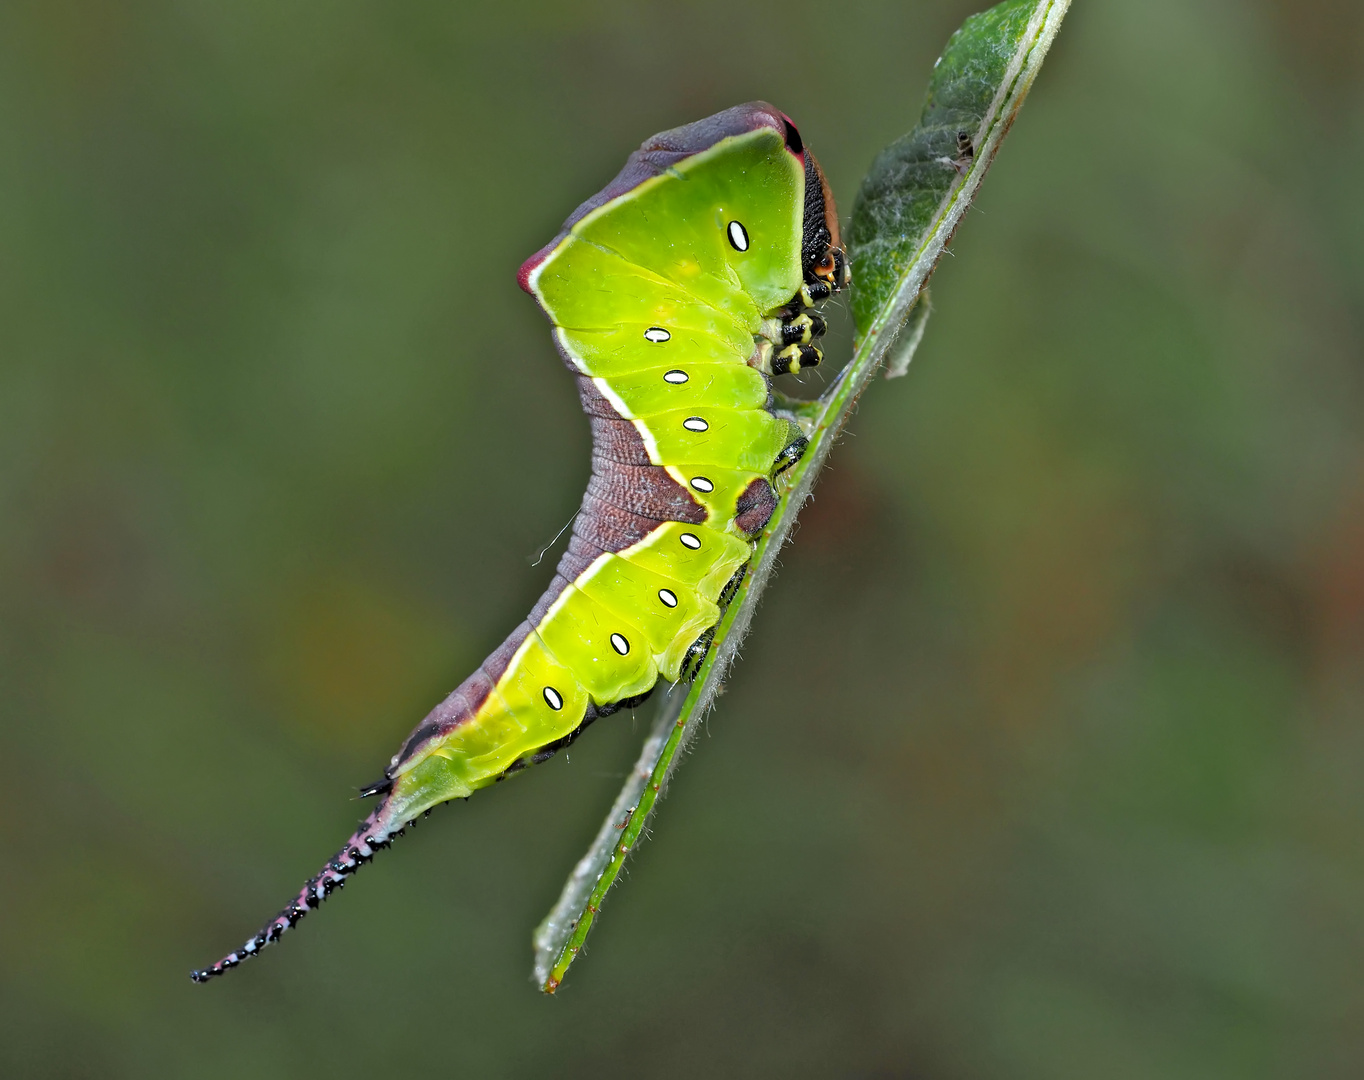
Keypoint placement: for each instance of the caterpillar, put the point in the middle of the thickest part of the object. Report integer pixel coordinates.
(676, 294)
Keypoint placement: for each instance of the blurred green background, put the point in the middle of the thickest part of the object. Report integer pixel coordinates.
(1043, 759)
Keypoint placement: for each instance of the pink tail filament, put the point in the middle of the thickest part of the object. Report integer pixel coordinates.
(373, 835)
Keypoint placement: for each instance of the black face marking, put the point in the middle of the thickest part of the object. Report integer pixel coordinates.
(668, 597)
(738, 236)
(657, 335)
(620, 644)
(695, 423)
(700, 483)
(794, 143)
(677, 376)
(816, 237)
(553, 698)
(690, 540)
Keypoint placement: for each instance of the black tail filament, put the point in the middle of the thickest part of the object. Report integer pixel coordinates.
(360, 848)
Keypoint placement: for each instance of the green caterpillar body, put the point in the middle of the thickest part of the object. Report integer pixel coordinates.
(675, 295)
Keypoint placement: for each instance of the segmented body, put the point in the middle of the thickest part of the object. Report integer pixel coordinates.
(675, 294)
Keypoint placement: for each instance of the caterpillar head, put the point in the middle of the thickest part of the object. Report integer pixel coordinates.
(823, 261)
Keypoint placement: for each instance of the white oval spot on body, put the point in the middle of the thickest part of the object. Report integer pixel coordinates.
(695, 423)
(700, 483)
(657, 335)
(677, 376)
(738, 236)
(619, 643)
(690, 540)
(668, 597)
(553, 698)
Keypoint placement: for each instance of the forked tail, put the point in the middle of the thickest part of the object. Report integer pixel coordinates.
(375, 833)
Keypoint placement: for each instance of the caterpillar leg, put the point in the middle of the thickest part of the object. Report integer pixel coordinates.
(790, 330)
(595, 713)
(803, 328)
(795, 358)
(696, 655)
(731, 588)
(813, 292)
(790, 455)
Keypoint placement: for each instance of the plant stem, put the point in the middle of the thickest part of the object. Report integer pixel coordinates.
(1009, 43)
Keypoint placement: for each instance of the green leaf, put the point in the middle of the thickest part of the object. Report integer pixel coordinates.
(907, 210)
